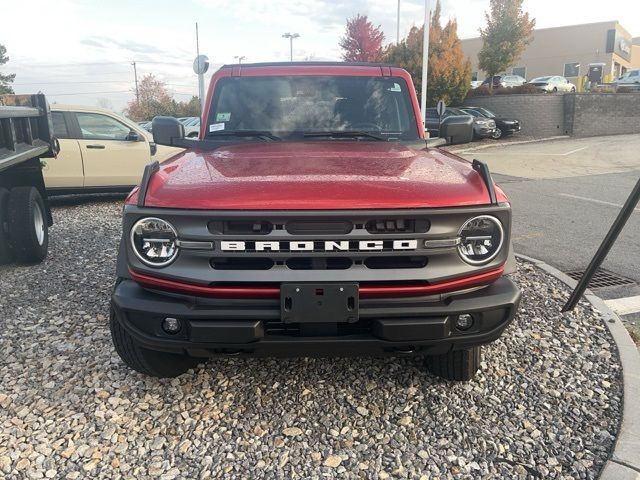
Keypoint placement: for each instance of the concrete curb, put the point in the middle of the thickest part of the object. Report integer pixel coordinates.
(506, 144)
(624, 463)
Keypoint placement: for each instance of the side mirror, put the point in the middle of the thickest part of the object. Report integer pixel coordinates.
(133, 136)
(167, 130)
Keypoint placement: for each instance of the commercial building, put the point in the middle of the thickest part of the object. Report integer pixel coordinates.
(570, 51)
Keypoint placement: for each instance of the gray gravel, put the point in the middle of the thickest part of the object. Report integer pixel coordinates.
(546, 404)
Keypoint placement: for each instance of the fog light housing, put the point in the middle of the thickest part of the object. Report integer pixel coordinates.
(464, 321)
(171, 325)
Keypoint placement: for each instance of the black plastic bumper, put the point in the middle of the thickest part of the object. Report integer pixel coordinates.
(210, 327)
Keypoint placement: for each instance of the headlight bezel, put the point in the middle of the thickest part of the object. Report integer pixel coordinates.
(496, 221)
(140, 256)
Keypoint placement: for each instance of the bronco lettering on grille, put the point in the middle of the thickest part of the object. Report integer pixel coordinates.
(311, 246)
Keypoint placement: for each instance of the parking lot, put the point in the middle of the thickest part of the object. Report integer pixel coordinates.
(565, 195)
(546, 403)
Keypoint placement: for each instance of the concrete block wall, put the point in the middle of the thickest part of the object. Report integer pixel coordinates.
(540, 115)
(581, 114)
(606, 114)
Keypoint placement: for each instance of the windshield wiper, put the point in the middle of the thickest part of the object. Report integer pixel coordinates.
(264, 134)
(345, 134)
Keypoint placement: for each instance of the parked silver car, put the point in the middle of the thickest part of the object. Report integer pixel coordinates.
(629, 79)
(505, 81)
(191, 127)
(552, 84)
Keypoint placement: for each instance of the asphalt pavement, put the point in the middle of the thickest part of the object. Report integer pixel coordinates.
(565, 195)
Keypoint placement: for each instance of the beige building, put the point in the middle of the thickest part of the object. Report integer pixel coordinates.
(635, 53)
(570, 51)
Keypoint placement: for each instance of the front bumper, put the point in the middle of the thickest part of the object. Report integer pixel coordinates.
(223, 326)
(483, 131)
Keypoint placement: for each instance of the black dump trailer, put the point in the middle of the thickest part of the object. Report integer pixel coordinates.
(26, 137)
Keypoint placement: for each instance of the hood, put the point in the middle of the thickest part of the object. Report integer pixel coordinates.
(319, 175)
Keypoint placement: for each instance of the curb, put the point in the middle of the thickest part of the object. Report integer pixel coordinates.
(624, 463)
(506, 144)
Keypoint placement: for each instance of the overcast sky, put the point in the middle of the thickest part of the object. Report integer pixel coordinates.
(80, 52)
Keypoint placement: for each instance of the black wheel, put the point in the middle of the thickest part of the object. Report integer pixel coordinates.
(573, 89)
(28, 226)
(5, 249)
(149, 362)
(497, 134)
(459, 365)
(555, 89)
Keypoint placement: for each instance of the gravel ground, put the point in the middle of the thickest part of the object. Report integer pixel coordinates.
(546, 404)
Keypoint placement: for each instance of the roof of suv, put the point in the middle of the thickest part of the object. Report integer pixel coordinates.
(309, 64)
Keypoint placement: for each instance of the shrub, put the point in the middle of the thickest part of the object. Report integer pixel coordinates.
(483, 90)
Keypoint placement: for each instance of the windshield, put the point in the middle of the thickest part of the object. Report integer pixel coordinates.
(541, 79)
(292, 106)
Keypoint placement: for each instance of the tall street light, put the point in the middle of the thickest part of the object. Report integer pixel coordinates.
(398, 24)
(290, 36)
(425, 60)
(239, 58)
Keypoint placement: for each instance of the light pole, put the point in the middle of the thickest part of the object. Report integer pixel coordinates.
(425, 60)
(240, 58)
(290, 36)
(398, 25)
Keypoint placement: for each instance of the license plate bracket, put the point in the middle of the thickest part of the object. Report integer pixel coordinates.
(319, 302)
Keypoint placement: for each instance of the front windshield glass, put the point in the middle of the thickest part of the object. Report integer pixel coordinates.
(541, 79)
(291, 106)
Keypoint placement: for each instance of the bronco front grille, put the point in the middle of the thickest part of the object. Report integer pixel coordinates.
(363, 246)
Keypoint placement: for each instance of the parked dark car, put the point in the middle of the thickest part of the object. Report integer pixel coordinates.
(463, 134)
(483, 127)
(505, 81)
(504, 126)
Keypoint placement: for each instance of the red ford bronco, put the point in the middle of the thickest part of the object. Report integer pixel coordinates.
(310, 218)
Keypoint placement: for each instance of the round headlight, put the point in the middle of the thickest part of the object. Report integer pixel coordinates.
(154, 241)
(480, 239)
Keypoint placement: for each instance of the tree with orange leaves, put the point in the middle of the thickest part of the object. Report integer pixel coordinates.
(449, 74)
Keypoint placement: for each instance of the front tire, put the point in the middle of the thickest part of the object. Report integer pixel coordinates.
(148, 362)
(28, 225)
(497, 134)
(457, 365)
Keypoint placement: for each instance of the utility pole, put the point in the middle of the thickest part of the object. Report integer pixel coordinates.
(200, 75)
(398, 25)
(135, 76)
(291, 36)
(425, 60)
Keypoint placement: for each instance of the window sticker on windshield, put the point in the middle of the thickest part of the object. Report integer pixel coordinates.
(395, 88)
(215, 127)
(223, 117)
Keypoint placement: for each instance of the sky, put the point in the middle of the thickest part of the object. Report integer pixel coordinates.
(80, 52)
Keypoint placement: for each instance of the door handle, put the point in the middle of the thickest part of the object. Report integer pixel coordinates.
(96, 146)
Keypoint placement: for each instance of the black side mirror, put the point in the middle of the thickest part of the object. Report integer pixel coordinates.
(133, 136)
(167, 130)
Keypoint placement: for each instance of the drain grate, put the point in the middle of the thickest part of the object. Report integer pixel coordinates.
(602, 278)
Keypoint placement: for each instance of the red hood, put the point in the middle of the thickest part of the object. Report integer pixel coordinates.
(321, 175)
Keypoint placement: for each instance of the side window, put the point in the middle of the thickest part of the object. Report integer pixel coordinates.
(95, 126)
(634, 73)
(60, 129)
